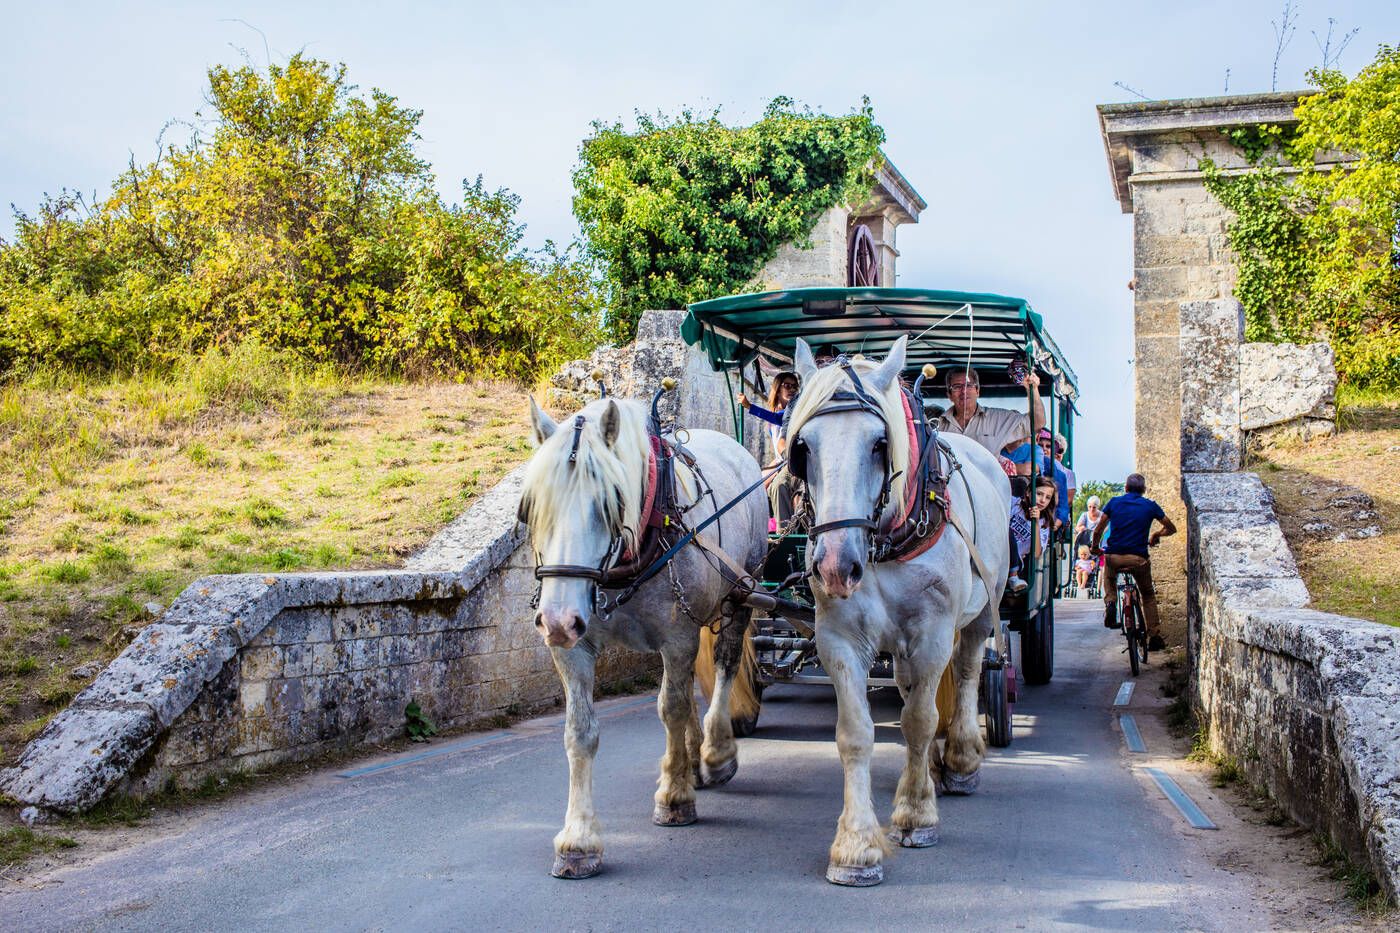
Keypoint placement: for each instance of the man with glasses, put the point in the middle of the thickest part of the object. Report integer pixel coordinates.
(993, 428)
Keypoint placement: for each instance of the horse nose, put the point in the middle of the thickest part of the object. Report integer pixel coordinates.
(839, 568)
(561, 628)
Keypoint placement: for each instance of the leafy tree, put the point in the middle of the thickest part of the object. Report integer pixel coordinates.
(1319, 257)
(687, 209)
(1093, 487)
(307, 222)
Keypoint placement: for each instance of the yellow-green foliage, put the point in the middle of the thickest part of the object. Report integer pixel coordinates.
(303, 219)
(1319, 254)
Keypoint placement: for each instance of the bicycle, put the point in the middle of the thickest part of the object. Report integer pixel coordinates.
(1129, 609)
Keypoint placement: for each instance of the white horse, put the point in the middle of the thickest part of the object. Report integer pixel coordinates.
(583, 502)
(910, 609)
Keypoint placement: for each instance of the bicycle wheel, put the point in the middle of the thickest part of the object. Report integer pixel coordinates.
(1140, 623)
(1126, 619)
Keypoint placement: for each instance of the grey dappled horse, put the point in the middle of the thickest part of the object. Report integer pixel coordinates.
(583, 493)
(910, 609)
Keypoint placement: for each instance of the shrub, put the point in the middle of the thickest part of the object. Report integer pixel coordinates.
(688, 209)
(303, 221)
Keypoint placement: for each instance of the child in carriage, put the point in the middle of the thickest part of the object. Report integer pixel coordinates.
(1084, 569)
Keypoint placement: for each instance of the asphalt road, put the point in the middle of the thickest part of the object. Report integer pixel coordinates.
(1064, 834)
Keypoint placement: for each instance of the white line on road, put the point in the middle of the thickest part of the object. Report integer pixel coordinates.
(1125, 693)
(1178, 797)
(1131, 734)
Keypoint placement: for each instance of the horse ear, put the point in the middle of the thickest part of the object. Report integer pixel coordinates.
(893, 365)
(803, 360)
(541, 425)
(610, 422)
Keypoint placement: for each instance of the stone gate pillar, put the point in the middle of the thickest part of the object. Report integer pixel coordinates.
(1186, 325)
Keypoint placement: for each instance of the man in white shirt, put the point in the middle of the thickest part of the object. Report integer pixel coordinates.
(993, 428)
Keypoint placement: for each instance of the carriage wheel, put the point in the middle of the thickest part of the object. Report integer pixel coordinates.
(1038, 645)
(997, 706)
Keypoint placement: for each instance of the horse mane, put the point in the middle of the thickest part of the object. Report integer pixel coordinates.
(554, 488)
(826, 382)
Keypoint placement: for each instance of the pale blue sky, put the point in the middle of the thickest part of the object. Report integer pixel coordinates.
(989, 109)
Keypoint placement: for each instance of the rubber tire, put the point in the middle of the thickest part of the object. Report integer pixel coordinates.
(998, 710)
(1141, 630)
(1130, 632)
(1038, 646)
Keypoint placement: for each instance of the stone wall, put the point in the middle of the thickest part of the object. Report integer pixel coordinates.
(1308, 703)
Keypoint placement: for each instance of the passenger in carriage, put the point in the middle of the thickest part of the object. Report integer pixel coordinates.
(782, 488)
(1049, 466)
(994, 429)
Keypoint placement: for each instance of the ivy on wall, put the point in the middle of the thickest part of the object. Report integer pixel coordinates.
(686, 209)
(1319, 256)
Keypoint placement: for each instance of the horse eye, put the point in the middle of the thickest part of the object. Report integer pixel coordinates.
(880, 447)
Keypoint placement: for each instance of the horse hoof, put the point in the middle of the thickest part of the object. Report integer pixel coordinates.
(960, 785)
(577, 865)
(855, 876)
(682, 815)
(714, 777)
(920, 837)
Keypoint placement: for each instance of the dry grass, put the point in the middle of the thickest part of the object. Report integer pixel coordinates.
(120, 493)
(1354, 577)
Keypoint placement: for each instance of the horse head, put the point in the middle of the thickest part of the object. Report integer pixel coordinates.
(580, 503)
(846, 433)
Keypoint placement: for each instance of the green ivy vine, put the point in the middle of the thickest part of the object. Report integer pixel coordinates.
(686, 209)
(1317, 245)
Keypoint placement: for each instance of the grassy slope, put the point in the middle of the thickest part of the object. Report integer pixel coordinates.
(1356, 577)
(119, 493)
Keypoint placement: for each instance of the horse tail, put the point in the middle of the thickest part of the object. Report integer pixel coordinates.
(743, 698)
(705, 663)
(945, 698)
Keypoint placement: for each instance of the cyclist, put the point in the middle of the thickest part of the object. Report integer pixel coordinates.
(1132, 515)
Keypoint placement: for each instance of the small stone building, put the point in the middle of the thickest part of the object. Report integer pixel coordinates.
(850, 246)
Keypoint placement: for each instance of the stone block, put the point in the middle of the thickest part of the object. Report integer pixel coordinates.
(1283, 382)
(300, 627)
(79, 755)
(1240, 494)
(164, 668)
(355, 622)
(261, 663)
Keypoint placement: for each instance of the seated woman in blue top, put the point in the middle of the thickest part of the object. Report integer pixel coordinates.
(781, 488)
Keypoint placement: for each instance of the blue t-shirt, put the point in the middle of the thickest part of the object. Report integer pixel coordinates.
(1024, 453)
(1132, 514)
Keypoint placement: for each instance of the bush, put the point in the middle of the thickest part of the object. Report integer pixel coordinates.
(303, 222)
(688, 209)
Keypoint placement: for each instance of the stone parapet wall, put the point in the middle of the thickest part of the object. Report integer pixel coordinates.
(1308, 703)
(251, 670)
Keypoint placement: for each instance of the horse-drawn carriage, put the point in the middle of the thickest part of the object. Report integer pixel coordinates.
(995, 336)
(647, 535)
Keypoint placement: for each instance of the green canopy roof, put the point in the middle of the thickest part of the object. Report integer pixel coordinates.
(945, 329)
